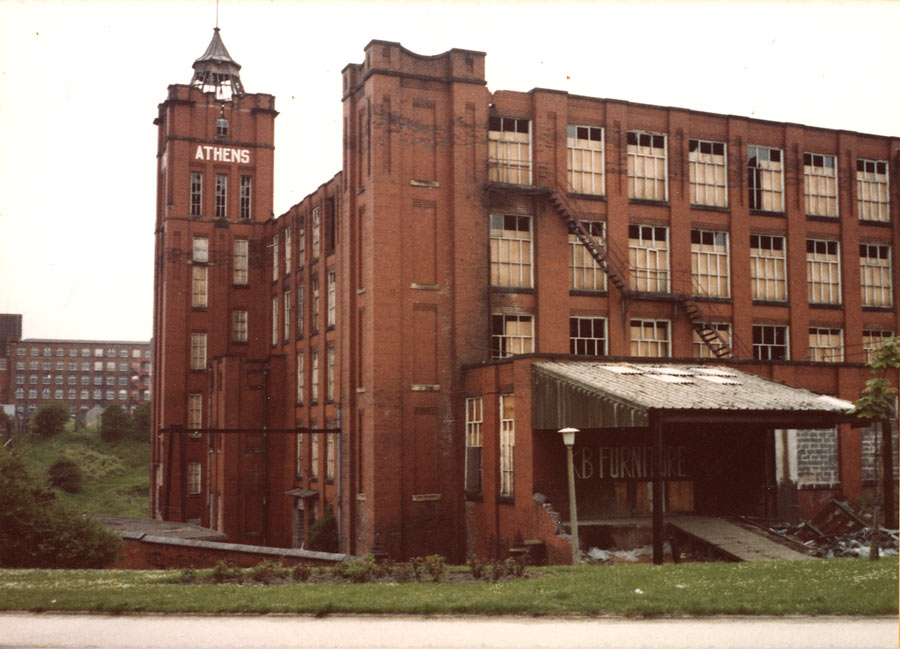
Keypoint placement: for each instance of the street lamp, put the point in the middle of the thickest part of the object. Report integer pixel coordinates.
(568, 435)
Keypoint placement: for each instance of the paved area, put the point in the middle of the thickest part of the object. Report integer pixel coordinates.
(277, 632)
(739, 542)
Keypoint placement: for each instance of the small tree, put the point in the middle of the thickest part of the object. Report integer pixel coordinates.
(66, 475)
(141, 422)
(115, 423)
(322, 535)
(6, 424)
(50, 419)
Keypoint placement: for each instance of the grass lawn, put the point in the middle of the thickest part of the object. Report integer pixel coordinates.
(831, 587)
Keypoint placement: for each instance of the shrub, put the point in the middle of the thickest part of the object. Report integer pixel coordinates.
(359, 570)
(322, 535)
(403, 572)
(223, 572)
(115, 423)
(268, 571)
(495, 571)
(140, 427)
(301, 572)
(515, 566)
(434, 566)
(66, 475)
(476, 566)
(50, 419)
(187, 576)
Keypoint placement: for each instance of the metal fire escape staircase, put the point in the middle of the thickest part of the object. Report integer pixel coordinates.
(717, 345)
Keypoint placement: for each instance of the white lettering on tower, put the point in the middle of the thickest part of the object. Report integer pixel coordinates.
(222, 154)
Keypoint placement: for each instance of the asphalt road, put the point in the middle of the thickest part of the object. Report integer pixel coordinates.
(275, 632)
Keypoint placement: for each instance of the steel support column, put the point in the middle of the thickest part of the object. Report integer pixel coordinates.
(656, 434)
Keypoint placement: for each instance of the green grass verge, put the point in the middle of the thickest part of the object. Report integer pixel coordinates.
(116, 475)
(831, 587)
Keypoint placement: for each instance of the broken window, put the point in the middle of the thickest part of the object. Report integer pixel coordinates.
(511, 334)
(823, 271)
(709, 263)
(647, 166)
(584, 272)
(768, 276)
(872, 201)
(474, 420)
(708, 173)
(875, 274)
(826, 345)
(648, 258)
(820, 184)
(509, 150)
(511, 250)
(587, 336)
(584, 148)
(650, 338)
(765, 179)
(770, 342)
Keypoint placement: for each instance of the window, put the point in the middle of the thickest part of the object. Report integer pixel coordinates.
(198, 351)
(58, 395)
(650, 338)
(221, 196)
(509, 150)
(287, 316)
(709, 263)
(765, 179)
(820, 184)
(314, 383)
(193, 478)
(875, 274)
(98, 395)
(239, 276)
(32, 393)
(59, 366)
(72, 380)
(301, 378)
(221, 127)
(239, 325)
(60, 351)
(84, 394)
(331, 314)
(301, 242)
(329, 374)
(123, 367)
(85, 380)
(275, 258)
(73, 366)
(768, 276)
(20, 365)
(708, 173)
(123, 394)
(110, 380)
(823, 271)
(45, 393)
(46, 365)
(196, 193)
(648, 258)
(507, 443)
(199, 275)
(511, 334)
(315, 304)
(770, 342)
(98, 380)
(122, 380)
(702, 349)
(872, 340)
(20, 379)
(316, 232)
(872, 200)
(299, 455)
(300, 305)
(314, 456)
(48, 351)
(288, 260)
(85, 366)
(826, 345)
(73, 351)
(585, 153)
(33, 379)
(34, 365)
(46, 380)
(474, 419)
(275, 320)
(329, 456)
(511, 250)
(20, 351)
(587, 336)
(647, 166)
(98, 353)
(195, 412)
(200, 252)
(85, 352)
(58, 379)
(20, 393)
(584, 272)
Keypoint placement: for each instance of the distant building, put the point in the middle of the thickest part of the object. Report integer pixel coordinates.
(377, 349)
(81, 373)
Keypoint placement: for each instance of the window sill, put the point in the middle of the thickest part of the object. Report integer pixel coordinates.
(648, 201)
(823, 305)
(474, 497)
(819, 217)
(709, 298)
(513, 289)
(506, 500)
(588, 197)
(877, 224)
(199, 308)
(710, 208)
(239, 343)
(878, 309)
(769, 302)
(329, 328)
(588, 293)
(767, 213)
(240, 286)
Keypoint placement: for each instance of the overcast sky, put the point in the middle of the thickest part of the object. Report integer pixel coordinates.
(80, 82)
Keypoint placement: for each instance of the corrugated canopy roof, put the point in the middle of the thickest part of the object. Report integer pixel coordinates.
(615, 395)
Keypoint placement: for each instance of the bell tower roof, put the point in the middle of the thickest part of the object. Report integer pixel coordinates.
(215, 71)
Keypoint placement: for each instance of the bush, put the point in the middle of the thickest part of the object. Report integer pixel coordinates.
(223, 572)
(115, 423)
(266, 572)
(476, 566)
(35, 532)
(50, 419)
(434, 566)
(301, 572)
(140, 427)
(322, 535)
(66, 475)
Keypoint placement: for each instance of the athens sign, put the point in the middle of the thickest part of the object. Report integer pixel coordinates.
(222, 154)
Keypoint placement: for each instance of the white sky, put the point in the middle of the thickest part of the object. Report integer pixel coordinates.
(80, 82)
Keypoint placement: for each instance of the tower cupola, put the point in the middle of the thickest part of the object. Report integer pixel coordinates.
(215, 71)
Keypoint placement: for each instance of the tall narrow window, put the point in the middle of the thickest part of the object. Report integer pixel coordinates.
(196, 193)
(274, 320)
(287, 316)
(301, 242)
(199, 289)
(507, 443)
(193, 478)
(765, 179)
(650, 338)
(315, 304)
(709, 263)
(708, 173)
(648, 258)
(301, 378)
(314, 377)
(587, 336)
(239, 325)
(474, 420)
(239, 274)
(246, 197)
(195, 412)
(820, 184)
(332, 299)
(584, 147)
(299, 455)
(770, 342)
(314, 455)
(509, 150)
(316, 232)
(329, 374)
(872, 201)
(329, 455)
(221, 196)
(584, 272)
(510, 335)
(826, 345)
(702, 349)
(198, 351)
(875, 274)
(511, 250)
(300, 308)
(873, 339)
(823, 271)
(200, 251)
(288, 260)
(275, 258)
(222, 127)
(647, 170)
(768, 275)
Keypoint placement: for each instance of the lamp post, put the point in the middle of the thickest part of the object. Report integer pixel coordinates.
(568, 435)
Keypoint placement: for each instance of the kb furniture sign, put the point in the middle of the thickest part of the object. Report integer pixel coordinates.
(627, 462)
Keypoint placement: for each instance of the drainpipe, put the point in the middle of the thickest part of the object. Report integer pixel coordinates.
(265, 511)
(337, 477)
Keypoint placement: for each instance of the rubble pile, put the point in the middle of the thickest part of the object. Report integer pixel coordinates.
(839, 531)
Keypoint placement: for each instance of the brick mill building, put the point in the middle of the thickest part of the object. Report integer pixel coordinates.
(398, 345)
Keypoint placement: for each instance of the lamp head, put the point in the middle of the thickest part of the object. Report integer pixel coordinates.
(568, 435)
